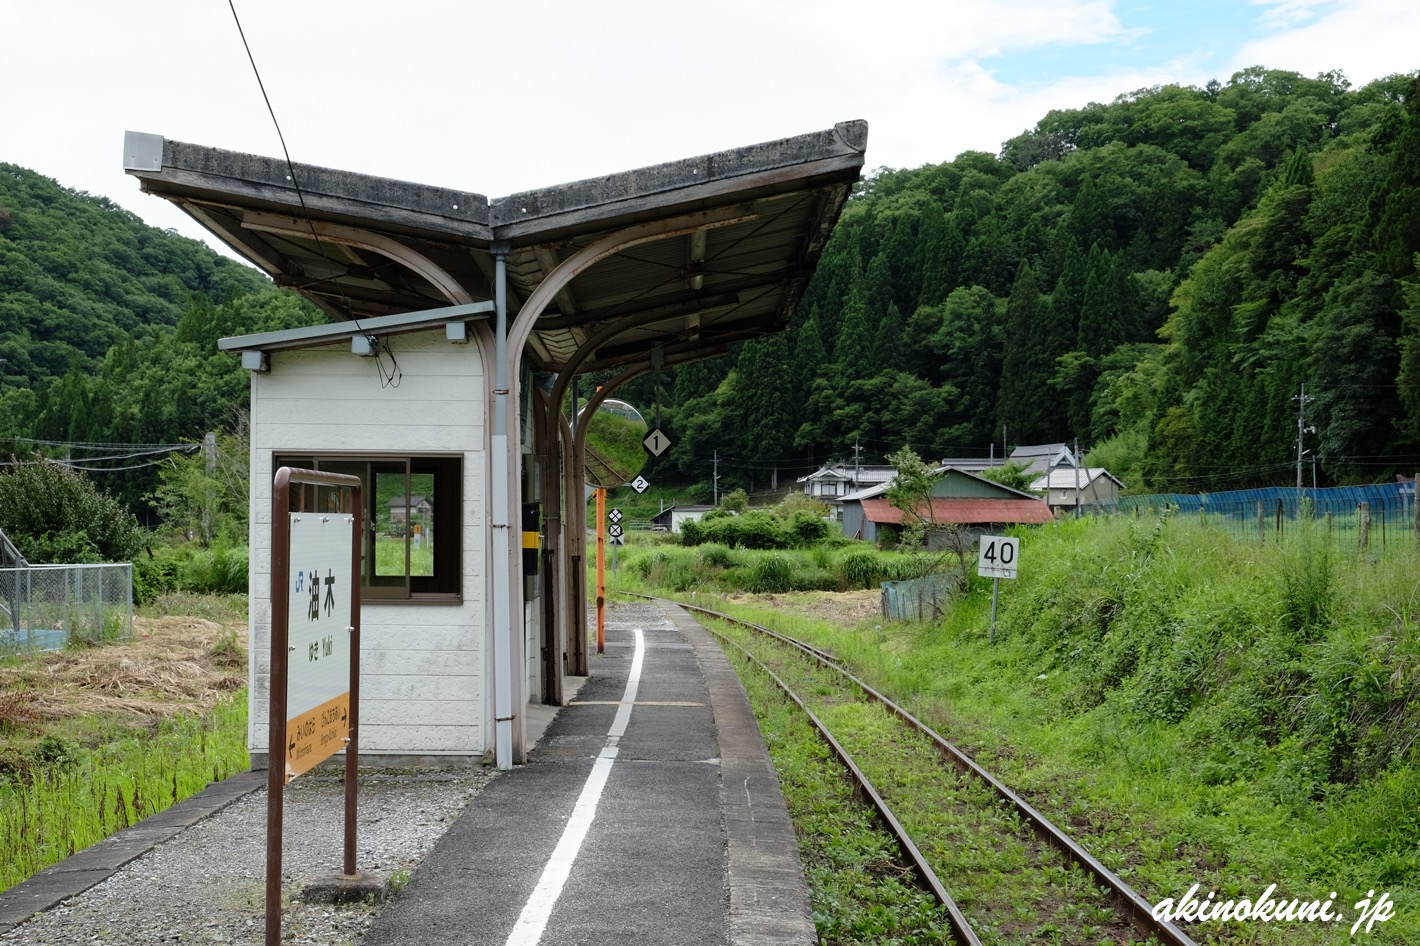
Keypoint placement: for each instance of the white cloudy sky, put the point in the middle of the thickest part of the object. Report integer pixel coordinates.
(501, 97)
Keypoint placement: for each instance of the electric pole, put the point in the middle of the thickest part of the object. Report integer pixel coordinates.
(715, 479)
(1076, 458)
(1302, 429)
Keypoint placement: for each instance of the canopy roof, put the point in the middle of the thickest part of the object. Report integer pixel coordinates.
(760, 216)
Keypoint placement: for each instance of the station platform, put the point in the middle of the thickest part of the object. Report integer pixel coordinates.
(648, 813)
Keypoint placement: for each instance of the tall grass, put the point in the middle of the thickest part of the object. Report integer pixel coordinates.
(714, 568)
(70, 797)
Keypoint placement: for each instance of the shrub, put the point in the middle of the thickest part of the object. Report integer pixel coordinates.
(716, 555)
(859, 570)
(646, 565)
(735, 501)
(57, 515)
(681, 573)
(756, 529)
(805, 528)
(770, 574)
(692, 532)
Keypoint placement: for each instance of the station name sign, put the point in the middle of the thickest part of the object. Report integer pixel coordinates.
(319, 633)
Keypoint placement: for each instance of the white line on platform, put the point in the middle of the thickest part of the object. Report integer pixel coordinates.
(533, 920)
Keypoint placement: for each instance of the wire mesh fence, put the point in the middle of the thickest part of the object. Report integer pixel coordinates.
(46, 607)
(1371, 519)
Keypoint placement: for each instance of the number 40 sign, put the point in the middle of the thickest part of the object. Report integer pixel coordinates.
(999, 555)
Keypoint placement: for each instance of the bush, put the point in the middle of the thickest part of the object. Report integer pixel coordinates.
(691, 533)
(810, 578)
(56, 515)
(220, 570)
(805, 528)
(648, 564)
(859, 570)
(716, 555)
(770, 574)
(756, 529)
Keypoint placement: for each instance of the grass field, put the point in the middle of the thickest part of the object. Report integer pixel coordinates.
(95, 738)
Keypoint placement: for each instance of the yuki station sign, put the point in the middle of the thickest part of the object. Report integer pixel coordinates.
(319, 632)
(316, 527)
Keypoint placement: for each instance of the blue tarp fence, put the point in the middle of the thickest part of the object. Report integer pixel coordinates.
(1388, 510)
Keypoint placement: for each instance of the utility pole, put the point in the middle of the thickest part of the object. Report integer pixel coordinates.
(857, 464)
(1302, 429)
(715, 479)
(1077, 477)
(209, 499)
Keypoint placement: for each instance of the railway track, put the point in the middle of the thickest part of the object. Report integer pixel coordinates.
(973, 817)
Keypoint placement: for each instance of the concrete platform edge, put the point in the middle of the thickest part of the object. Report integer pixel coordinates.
(100, 861)
(769, 898)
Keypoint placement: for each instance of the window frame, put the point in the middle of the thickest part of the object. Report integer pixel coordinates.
(445, 585)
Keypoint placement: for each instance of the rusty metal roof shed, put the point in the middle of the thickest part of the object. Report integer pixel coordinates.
(388, 247)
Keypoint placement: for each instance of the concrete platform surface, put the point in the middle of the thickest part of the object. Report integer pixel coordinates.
(648, 814)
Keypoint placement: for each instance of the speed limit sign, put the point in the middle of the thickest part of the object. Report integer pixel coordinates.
(999, 555)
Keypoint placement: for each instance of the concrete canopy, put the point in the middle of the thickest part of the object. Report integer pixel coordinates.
(756, 220)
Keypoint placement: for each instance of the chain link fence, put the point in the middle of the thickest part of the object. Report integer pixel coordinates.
(45, 607)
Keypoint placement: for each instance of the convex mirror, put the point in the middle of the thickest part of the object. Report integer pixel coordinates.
(614, 452)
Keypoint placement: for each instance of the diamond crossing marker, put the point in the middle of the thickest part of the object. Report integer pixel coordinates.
(656, 442)
(640, 484)
(614, 516)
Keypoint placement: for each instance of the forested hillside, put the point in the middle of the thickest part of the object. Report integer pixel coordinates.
(1156, 277)
(108, 329)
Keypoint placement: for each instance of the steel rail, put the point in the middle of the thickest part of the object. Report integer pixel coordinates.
(1127, 900)
(863, 786)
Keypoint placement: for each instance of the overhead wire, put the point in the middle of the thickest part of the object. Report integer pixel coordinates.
(393, 377)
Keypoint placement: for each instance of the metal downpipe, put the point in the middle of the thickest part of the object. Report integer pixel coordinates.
(505, 670)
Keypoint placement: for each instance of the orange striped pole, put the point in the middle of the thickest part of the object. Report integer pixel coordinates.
(601, 570)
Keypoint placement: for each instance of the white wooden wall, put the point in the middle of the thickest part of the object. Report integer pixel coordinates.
(423, 675)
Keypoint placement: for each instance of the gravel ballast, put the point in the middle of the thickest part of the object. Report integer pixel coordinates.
(207, 883)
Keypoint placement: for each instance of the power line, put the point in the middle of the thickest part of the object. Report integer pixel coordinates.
(83, 445)
(394, 375)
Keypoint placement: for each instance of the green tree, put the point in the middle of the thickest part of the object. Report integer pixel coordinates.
(910, 493)
(205, 493)
(1009, 474)
(766, 411)
(56, 515)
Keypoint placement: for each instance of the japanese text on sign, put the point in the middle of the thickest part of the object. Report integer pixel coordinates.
(319, 628)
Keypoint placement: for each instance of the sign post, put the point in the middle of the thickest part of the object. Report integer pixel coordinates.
(999, 555)
(315, 651)
(601, 570)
